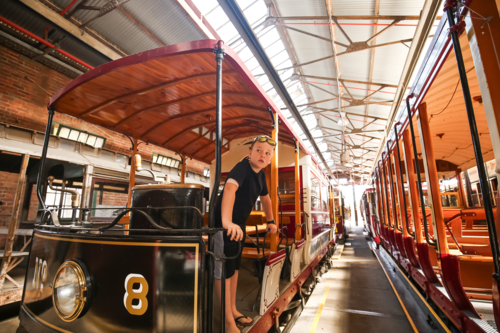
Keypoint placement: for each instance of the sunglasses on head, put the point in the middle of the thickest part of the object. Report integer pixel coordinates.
(265, 139)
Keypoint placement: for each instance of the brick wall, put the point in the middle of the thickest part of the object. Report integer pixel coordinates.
(23, 103)
(112, 198)
(8, 185)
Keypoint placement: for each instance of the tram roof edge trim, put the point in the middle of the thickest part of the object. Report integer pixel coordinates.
(199, 46)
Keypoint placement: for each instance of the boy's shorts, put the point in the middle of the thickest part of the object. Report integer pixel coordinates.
(230, 250)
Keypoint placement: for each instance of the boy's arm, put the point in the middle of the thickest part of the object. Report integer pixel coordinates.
(268, 210)
(228, 198)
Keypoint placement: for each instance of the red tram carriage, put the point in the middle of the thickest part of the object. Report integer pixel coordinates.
(433, 200)
(156, 274)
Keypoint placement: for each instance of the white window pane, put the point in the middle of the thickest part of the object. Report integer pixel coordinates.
(83, 137)
(64, 132)
(217, 17)
(155, 158)
(91, 140)
(252, 63)
(73, 135)
(99, 143)
(245, 54)
(169, 162)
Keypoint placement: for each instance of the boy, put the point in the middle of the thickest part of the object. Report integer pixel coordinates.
(244, 184)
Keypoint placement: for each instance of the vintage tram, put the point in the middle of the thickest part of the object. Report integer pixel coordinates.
(150, 269)
(434, 192)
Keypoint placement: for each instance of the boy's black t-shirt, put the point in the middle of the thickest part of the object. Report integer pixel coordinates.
(251, 186)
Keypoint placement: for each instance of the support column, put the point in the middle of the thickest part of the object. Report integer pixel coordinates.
(131, 184)
(432, 180)
(298, 235)
(183, 169)
(400, 186)
(461, 194)
(274, 185)
(14, 220)
(412, 187)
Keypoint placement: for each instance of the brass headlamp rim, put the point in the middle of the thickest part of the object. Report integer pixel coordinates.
(80, 274)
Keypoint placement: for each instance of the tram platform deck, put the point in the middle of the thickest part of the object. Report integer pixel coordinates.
(356, 295)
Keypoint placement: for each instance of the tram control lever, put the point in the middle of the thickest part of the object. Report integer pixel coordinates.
(75, 198)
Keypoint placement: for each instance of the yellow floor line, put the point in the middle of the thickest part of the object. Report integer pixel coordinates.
(340, 255)
(423, 300)
(318, 314)
(399, 299)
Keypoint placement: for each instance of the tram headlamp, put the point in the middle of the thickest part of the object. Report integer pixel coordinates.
(71, 290)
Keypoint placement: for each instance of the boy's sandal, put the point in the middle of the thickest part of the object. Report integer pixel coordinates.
(240, 323)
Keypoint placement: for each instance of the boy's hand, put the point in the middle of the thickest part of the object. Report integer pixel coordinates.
(234, 231)
(272, 228)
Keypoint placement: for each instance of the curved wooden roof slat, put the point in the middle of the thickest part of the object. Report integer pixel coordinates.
(229, 129)
(210, 93)
(211, 122)
(123, 92)
(199, 112)
(149, 90)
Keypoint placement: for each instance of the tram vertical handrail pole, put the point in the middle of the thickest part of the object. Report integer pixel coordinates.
(417, 167)
(219, 57)
(402, 185)
(386, 195)
(483, 179)
(393, 193)
(41, 170)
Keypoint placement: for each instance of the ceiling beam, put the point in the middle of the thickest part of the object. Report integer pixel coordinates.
(350, 17)
(71, 28)
(369, 82)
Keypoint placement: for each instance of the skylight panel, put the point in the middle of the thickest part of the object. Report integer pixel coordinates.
(286, 64)
(252, 63)
(255, 11)
(269, 37)
(275, 48)
(228, 32)
(245, 54)
(217, 17)
(263, 79)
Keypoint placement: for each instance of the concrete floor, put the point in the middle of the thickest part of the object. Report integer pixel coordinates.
(359, 296)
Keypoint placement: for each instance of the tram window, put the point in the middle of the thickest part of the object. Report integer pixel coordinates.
(165, 160)
(315, 194)
(75, 134)
(107, 194)
(56, 198)
(287, 182)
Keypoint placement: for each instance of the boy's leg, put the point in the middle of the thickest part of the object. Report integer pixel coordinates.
(230, 323)
(234, 287)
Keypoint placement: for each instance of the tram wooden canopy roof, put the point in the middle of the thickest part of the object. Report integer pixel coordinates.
(166, 96)
(449, 126)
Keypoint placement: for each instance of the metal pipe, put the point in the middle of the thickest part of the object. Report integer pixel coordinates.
(402, 185)
(386, 194)
(393, 193)
(41, 40)
(417, 167)
(219, 57)
(41, 170)
(483, 179)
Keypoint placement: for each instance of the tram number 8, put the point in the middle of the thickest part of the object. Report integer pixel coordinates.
(138, 294)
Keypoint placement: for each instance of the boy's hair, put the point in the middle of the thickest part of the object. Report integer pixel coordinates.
(255, 140)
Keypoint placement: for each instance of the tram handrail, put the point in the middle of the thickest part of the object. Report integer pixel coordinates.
(417, 167)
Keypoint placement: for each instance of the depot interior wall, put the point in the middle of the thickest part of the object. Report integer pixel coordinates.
(25, 89)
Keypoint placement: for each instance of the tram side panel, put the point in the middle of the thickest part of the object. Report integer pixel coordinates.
(113, 284)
